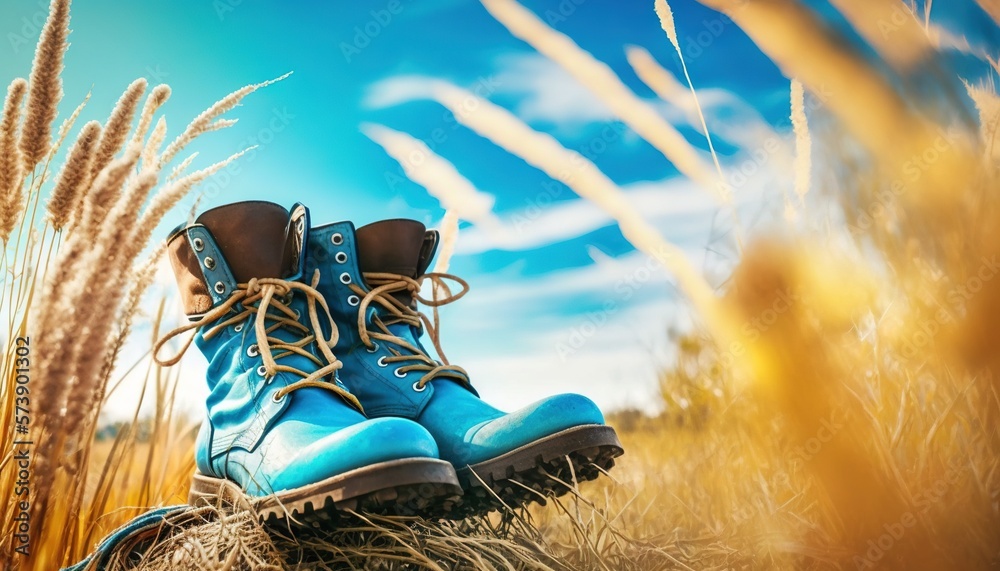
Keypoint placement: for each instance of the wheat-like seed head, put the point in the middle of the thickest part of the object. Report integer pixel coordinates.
(11, 181)
(152, 147)
(74, 176)
(206, 121)
(154, 101)
(667, 22)
(121, 219)
(117, 128)
(105, 191)
(182, 167)
(905, 47)
(45, 87)
(86, 302)
(168, 197)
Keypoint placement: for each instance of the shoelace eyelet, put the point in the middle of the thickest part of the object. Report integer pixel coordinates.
(220, 288)
(238, 327)
(210, 263)
(353, 300)
(262, 371)
(198, 244)
(398, 374)
(381, 361)
(337, 239)
(345, 278)
(340, 257)
(417, 387)
(276, 397)
(253, 350)
(373, 348)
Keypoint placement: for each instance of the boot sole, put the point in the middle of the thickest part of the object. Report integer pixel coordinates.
(548, 467)
(411, 486)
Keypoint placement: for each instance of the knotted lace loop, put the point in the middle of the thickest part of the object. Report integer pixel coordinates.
(383, 286)
(269, 299)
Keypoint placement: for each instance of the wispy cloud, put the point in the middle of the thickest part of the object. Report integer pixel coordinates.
(533, 227)
(542, 92)
(554, 349)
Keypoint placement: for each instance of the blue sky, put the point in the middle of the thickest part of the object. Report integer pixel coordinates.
(571, 281)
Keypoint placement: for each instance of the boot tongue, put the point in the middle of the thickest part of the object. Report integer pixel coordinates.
(254, 238)
(392, 246)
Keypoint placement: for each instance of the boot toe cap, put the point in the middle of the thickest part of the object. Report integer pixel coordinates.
(536, 421)
(363, 444)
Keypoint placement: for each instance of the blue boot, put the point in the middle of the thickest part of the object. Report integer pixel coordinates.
(281, 427)
(371, 279)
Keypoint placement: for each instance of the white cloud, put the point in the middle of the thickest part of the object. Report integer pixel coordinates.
(612, 357)
(539, 223)
(544, 92)
(548, 92)
(399, 89)
(515, 337)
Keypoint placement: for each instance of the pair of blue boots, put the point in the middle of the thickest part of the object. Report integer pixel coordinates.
(323, 397)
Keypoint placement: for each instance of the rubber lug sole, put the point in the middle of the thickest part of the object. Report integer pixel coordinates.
(412, 486)
(544, 468)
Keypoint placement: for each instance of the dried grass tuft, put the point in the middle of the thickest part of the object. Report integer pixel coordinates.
(82, 290)
(45, 86)
(11, 175)
(118, 126)
(74, 176)
(155, 100)
(151, 150)
(544, 152)
(206, 122)
(602, 81)
(666, 16)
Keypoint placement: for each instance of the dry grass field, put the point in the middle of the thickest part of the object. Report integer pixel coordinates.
(836, 406)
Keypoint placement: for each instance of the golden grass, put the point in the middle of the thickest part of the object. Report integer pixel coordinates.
(836, 409)
(73, 282)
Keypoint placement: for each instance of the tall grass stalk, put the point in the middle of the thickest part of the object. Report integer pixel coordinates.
(73, 278)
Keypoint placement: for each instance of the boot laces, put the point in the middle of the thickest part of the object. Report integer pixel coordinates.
(383, 285)
(269, 300)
